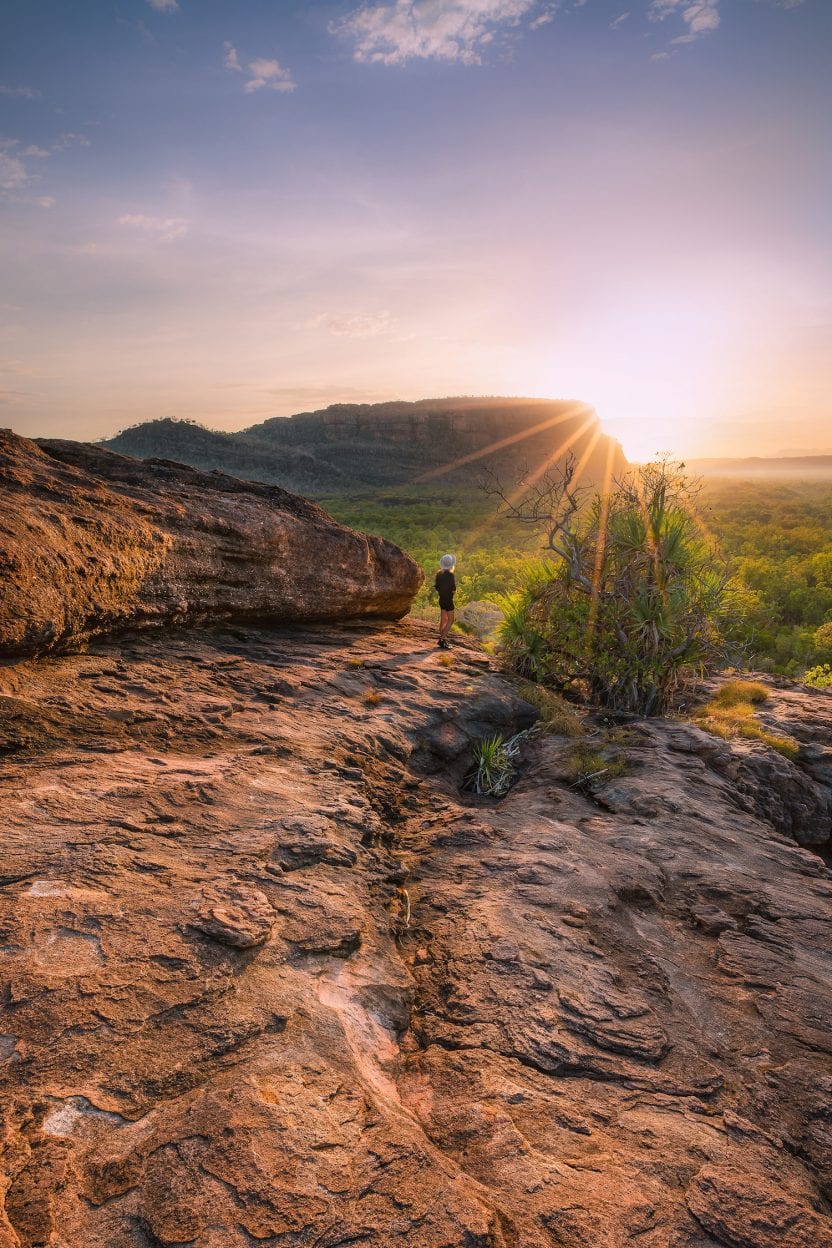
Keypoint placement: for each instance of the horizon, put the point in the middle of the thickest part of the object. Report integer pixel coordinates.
(228, 215)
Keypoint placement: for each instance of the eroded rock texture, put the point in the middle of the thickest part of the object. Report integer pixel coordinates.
(91, 540)
(270, 979)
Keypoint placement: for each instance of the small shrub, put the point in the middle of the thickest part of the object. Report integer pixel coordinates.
(557, 717)
(823, 637)
(372, 697)
(636, 603)
(355, 662)
(819, 677)
(447, 660)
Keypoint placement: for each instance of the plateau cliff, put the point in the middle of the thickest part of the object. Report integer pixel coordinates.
(349, 447)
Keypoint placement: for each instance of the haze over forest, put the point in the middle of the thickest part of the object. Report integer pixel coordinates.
(229, 213)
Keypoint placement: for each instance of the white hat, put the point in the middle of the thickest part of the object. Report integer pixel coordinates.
(447, 562)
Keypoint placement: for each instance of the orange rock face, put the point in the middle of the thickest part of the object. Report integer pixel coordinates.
(91, 541)
(269, 977)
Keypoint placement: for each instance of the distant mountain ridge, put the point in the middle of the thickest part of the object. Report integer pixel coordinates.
(801, 466)
(357, 446)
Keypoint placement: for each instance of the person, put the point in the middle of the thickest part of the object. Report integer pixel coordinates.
(445, 588)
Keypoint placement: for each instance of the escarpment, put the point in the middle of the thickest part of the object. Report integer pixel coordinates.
(91, 541)
(271, 978)
(353, 446)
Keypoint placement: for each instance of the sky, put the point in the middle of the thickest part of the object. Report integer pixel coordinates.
(228, 211)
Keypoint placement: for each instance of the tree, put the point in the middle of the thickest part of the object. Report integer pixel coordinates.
(634, 601)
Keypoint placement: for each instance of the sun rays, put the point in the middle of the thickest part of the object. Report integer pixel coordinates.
(532, 478)
(502, 443)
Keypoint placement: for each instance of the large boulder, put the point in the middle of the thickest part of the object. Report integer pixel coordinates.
(91, 540)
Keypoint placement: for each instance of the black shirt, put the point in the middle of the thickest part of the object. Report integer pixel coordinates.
(446, 588)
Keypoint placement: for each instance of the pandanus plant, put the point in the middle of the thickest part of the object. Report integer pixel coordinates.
(635, 600)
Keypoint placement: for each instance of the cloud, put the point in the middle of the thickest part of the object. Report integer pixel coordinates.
(443, 30)
(164, 6)
(20, 93)
(701, 17)
(70, 139)
(166, 229)
(543, 19)
(619, 21)
(40, 152)
(45, 201)
(353, 324)
(231, 60)
(270, 74)
(262, 71)
(13, 175)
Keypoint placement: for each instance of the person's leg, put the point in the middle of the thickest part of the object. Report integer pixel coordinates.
(444, 624)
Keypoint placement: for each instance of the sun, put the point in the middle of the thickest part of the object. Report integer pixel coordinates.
(643, 436)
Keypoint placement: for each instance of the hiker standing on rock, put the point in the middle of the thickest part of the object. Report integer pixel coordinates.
(445, 584)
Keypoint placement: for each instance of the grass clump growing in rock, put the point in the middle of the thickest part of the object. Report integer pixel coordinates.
(557, 716)
(495, 764)
(372, 697)
(731, 713)
(588, 765)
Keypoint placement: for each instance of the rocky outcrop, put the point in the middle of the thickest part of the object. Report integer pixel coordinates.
(91, 541)
(351, 446)
(270, 977)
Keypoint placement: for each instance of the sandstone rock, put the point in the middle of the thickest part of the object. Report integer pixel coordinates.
(91, 541)
(597, 1029)
(237, 916)
(751, 1210)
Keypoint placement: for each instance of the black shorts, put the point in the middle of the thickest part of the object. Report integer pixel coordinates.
(446, 606)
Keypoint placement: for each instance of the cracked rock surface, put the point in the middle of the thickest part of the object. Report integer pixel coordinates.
(270, 978)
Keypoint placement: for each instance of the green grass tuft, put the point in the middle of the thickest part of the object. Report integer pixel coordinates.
(557, 717)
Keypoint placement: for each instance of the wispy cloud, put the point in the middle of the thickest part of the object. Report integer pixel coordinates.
(619, 21)
(444, 30)
(70, 139)
(543, 19)
(16, 181)
(263, 72)
(701, 17)
(165, 229)
(13, 175)
(164, 6)
(19, 93)
(230, 58)
(353, 324)
(270, 74)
